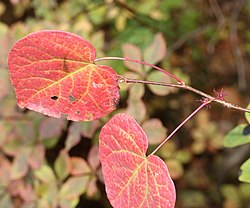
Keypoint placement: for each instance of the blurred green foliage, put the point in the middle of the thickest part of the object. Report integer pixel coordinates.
(238, 136)
(47, 162)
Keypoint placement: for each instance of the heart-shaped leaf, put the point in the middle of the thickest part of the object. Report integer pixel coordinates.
(53, 72)
(133, 179)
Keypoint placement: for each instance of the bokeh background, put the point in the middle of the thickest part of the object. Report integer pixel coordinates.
(46, 162)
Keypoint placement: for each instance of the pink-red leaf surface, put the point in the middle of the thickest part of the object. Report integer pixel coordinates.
(133, 179)
(53, 72)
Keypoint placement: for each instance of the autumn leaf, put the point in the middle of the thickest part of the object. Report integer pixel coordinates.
(53, 72)
(136, 108)
(155, 131)
(50, 128)
(133, 179)
(19, 167)
(79, 166)
(157, 77)
(45, 174)
(73, 187)
(133, 52)
(62, 165)
(156, 51)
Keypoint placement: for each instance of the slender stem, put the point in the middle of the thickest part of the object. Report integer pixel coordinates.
(186, 87)
(180, 84)
(180, 125)
(143, 63)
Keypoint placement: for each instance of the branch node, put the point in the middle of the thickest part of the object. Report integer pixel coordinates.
(121, 79)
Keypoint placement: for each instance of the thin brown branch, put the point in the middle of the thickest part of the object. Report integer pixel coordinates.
(181, 82)
(123, 79)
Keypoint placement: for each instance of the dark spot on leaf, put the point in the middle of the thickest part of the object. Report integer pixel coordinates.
(54, 97)
(246, 130)
(72, 98)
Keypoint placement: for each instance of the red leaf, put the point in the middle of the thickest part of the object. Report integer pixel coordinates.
(132, 179)
(53, 72)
